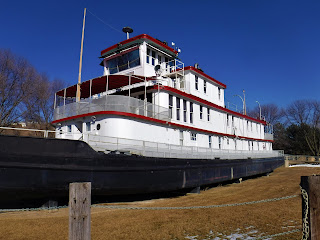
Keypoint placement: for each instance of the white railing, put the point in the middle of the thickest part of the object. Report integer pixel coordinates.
(112, 103)
(154, 149)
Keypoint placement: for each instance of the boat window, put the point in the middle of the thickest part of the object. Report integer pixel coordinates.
(88, 126)
(196, 82)
(219, 92)
(69, 128)
(148, 55)
(133, 58)
(181, 137)
(219, 142)
(184, 110)
(178, 108)
(159, 59)
(153, 57)
(201, 112)
(210, 141)
(112, 66)
(193, 136)
(208, 114)
(191, 112)
(98, 126)
(170, 105)
(204, 86)
(123, 62)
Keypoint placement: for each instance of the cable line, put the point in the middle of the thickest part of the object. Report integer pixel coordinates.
(104, 22)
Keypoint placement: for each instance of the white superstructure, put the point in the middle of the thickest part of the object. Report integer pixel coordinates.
(147, 99)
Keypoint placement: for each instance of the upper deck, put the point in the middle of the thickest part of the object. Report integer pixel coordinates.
(143, 80)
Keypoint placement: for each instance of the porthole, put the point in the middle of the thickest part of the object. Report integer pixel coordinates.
(98, 126)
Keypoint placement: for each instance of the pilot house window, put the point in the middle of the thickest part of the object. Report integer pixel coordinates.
(123, 62)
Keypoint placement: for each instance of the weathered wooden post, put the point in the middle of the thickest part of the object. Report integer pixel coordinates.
(79, 211)
(286, 163)
(310, 190)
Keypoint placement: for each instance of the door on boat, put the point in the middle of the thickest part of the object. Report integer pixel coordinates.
(181, 138)
(87, 131)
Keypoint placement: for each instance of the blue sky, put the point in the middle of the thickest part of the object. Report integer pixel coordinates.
(269, 48)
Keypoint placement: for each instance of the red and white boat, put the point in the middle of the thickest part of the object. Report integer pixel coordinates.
(149, 124)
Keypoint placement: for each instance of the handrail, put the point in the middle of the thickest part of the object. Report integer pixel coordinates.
(156, 149)
(112, 103)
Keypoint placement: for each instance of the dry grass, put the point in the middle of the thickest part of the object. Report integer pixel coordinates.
(265, 218)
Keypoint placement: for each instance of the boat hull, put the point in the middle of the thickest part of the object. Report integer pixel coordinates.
(35, 167)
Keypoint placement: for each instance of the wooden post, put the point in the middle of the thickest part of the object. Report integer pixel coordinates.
(79, 211)
(310, 189)
(286, 163)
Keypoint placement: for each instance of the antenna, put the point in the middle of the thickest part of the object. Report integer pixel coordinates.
(127, 30)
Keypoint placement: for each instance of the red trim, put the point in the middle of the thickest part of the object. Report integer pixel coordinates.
(200, 100)
(142, 36)
(205, 75)
(157, 121)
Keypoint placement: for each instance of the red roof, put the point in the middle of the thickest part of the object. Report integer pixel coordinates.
(142, 36)
(99, 85)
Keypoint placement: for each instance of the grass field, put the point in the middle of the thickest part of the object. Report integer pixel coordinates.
(236, 222)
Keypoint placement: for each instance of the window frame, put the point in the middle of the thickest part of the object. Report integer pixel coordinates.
(196, 82)
(178, 108)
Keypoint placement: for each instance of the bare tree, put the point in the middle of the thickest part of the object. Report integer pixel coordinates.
(300, 112)
(25, 95)
(16, 85)
(271, 112)
(306, 115)
(39, 106)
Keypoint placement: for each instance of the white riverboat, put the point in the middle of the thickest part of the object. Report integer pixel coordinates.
(148, 103)
(149, 124)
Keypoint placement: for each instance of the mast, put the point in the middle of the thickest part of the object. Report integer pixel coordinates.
(80, 63)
